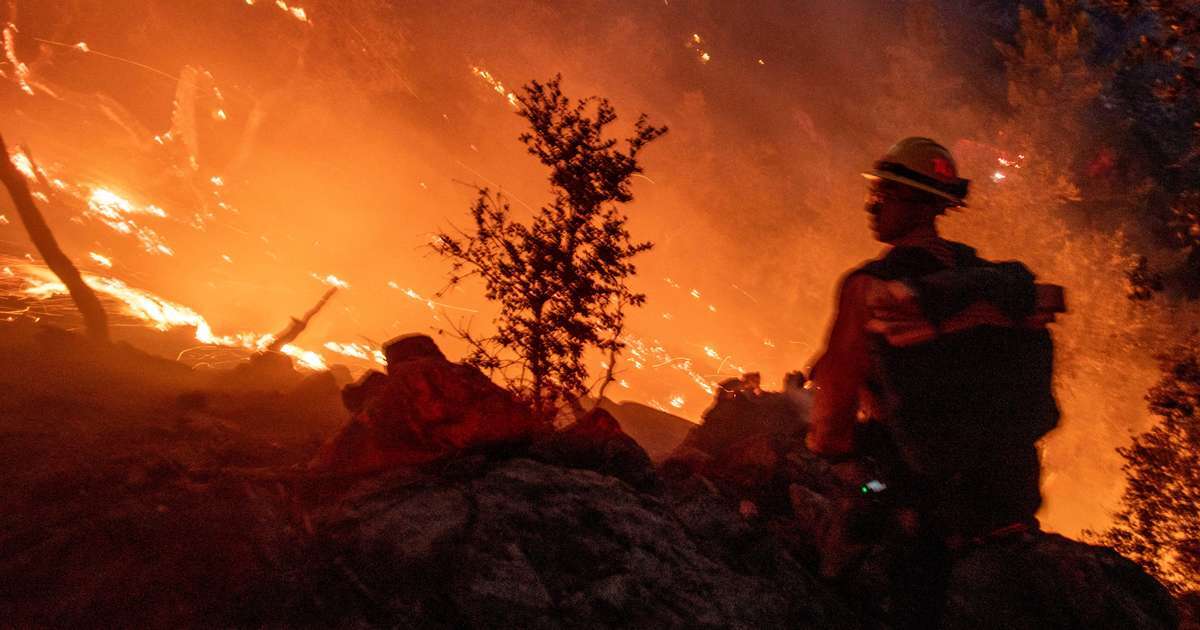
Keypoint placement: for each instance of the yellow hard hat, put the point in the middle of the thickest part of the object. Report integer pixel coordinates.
(925, 165)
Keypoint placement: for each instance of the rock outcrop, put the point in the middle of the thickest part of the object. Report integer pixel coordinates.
(425, 408)
(749, 446)
(1048, 581)
(596, 442)
(749, 455)
(167, 503)
(531, 545)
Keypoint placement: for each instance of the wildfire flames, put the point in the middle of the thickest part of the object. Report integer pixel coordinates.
(176, 208)
(39, 283)
(117, 212)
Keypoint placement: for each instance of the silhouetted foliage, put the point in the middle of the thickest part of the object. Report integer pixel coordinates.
(1157, 86)
(1141, 283)
(561, 279)
(1158, 524)
(1172, 40)
(1117, 80)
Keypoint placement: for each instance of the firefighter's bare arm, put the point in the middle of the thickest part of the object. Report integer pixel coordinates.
(841, 372)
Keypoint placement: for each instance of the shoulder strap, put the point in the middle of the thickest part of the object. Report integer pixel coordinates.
(911, 262)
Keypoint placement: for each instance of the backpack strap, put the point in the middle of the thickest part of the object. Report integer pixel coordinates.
(904, 262)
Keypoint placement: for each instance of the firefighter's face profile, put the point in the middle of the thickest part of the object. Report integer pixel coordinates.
(896, 210)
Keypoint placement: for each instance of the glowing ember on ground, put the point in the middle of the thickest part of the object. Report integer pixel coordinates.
(496, 85)
(23, 164)
(20, 70)
(640, 354)
(695, 43)
(294, 11)
(305, 358)
(999, 175)
(159, 313)
(114, 210)
(356, 351)
(333, 281)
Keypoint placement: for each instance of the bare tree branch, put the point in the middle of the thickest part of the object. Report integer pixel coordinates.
(297, 326)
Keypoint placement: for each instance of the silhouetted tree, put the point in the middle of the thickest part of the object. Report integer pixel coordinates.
(1158, 524)
(1173, 39)
(560, 279)
(1158, 88)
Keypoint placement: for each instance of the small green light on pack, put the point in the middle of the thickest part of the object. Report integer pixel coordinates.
(873, 485)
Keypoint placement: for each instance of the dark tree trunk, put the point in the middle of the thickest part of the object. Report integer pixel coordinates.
(94, 319)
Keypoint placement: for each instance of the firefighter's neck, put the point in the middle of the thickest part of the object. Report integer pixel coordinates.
(921, 235)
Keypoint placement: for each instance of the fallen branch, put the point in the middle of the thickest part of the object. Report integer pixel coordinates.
(297, 326)
(95, 321)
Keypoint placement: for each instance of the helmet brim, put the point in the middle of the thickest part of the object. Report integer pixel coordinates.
(874, 174)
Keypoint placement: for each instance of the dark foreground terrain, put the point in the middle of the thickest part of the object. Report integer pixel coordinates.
(141, 493)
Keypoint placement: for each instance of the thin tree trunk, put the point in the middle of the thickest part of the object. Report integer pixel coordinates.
(94, 319)
(536, 362)
(608, 377)
(613, 350)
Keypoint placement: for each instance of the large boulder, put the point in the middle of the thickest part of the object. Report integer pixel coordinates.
(744, 446)
(263, 371)
(425, 408)
(596, 442)
(1023, 581)
(532, 545)
(1048, 581)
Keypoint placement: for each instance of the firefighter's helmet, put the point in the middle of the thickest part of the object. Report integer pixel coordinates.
(925, 165)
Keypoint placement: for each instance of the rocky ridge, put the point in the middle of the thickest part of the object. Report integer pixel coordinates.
(438, 504)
